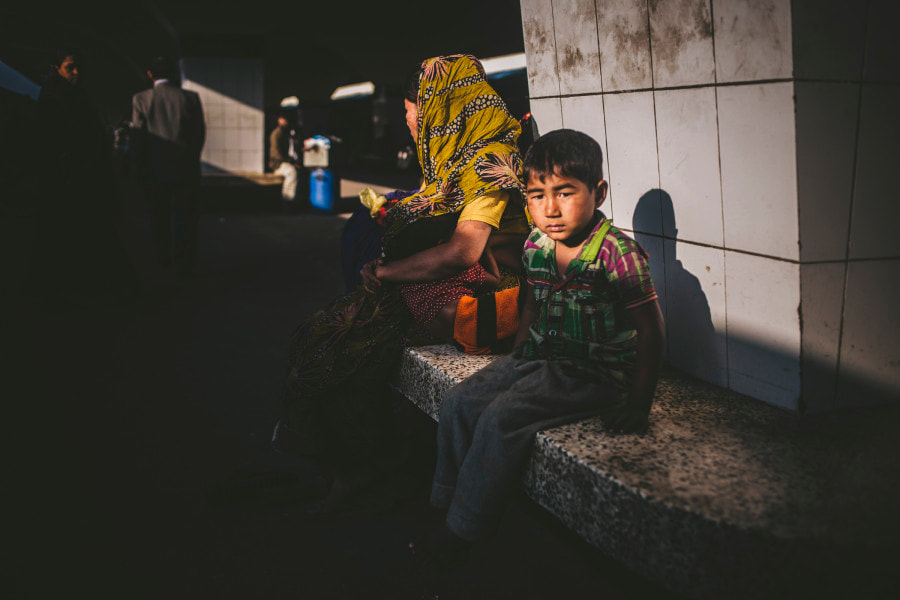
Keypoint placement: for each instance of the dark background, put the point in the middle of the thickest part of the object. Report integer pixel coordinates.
(309, 48)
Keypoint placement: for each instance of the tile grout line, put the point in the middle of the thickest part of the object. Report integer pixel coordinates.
(658, 182)
(859, 101)
(712, 26)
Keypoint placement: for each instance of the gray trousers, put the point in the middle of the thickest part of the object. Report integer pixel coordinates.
(487, 427)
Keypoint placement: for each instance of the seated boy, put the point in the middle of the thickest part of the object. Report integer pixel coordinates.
(589, 343)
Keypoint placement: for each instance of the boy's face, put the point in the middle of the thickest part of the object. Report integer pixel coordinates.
(563, 207)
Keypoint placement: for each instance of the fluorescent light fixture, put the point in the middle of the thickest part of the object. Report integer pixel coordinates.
(354, 90)
(290, 102)
(501, 64)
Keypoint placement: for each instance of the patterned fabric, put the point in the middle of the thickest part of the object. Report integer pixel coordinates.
(583, 317)
(466, 145)
(425, 300)
(338, 359)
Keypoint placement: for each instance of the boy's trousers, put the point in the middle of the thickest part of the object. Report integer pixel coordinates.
(487, 427)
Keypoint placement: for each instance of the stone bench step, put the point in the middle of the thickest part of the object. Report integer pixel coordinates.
(724, 496)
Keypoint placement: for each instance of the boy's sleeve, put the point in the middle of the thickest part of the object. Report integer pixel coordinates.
(633, 275)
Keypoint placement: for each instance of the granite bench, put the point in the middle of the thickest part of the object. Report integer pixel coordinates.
(724, 496)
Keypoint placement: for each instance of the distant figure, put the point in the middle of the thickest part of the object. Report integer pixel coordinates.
(281, 162)
(170, 131)
(77, 255)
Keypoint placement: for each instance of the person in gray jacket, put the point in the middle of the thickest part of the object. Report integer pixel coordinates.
(169, 132)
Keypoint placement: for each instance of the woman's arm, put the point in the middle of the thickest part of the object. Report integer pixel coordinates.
(463, 250)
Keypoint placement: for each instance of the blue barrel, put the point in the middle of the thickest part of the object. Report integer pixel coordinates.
(321, 189)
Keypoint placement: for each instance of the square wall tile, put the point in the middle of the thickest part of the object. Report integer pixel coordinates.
(547, 114)
(828, 39)
(763, 300)
(231, 114)
(695, 310)
(624, 36)
(821, 303)
(247, 117)
(826, 146)
(540, 47)
(759, 174)
(870, 355)
(682, 43)
(251, 139)
(882, 42)
(232, 139)
(633, 170)
(689, 164)
(214, 114)
(585, 114)
(215, 138)
(577, 56)
(753, 39)
(876, 211)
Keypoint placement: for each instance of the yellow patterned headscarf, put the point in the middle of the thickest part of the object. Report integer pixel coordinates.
(466, 142)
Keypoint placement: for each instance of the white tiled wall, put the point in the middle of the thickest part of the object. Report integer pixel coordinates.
(822, 298)
(759, 176)
(540, 48)
(876, 211)
(870, 354)
(577, 56)
(827, 114)
(763, 298)
(689, 163)
(829, 39)
(547, 114)
(631, 148)
(753, 39)
(695, 309)
(231, 91)
(682, 43)
(624, 45)
(751, 147)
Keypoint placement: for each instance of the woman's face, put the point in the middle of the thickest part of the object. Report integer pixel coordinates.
(412, 114)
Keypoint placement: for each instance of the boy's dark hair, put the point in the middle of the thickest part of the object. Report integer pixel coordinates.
(411, 89)
(568, 153)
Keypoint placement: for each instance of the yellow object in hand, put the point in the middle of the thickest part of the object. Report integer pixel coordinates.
(371, 200)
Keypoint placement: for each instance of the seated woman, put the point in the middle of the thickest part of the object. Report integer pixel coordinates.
(459, 236)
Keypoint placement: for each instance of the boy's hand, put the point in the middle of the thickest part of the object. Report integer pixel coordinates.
(627, 417)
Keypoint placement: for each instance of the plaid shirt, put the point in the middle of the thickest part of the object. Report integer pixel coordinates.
(583, 316)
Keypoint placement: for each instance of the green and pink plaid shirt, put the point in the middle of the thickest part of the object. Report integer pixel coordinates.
(583, 315)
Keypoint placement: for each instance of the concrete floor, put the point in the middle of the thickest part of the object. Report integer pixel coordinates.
(137, 439)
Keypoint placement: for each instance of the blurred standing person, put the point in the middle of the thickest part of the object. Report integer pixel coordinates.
(77, 255)
(169, 134)
(281, 162)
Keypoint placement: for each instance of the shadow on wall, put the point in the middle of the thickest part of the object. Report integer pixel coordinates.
(807, 382)
(693, 344)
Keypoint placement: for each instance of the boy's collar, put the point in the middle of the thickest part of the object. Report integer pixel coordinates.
(592, 243)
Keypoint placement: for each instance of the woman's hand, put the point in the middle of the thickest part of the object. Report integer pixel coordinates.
(370, 280)
(491, 270)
